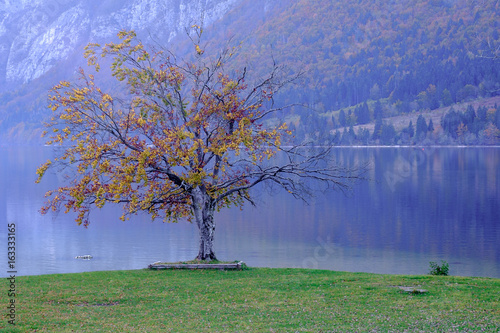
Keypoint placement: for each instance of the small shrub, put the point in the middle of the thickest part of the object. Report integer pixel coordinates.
(439, 269)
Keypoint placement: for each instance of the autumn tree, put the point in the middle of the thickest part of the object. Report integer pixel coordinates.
(186, 140)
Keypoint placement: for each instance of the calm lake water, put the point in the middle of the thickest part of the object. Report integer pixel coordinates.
(421, 205)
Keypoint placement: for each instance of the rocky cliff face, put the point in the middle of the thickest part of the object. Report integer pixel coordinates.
(36, 35)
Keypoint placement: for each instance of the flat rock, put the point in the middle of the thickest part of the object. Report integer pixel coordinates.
(236, 265)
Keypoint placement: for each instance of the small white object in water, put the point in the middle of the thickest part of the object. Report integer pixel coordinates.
(85, 257)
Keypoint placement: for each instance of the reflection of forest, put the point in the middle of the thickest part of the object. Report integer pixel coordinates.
(421, 203)
(433, 200)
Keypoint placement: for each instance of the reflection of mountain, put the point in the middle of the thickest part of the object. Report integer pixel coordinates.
(409, 55)
(48, 244)
(442, 204)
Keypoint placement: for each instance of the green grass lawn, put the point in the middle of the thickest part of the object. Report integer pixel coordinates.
(252, 300)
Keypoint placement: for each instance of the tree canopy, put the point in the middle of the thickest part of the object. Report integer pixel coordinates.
(187, 138)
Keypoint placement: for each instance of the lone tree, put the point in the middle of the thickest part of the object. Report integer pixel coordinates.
(185, 140)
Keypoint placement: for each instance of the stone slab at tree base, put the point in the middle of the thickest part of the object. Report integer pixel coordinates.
(234, 265)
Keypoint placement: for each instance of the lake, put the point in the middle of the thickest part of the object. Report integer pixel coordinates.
(421, 205)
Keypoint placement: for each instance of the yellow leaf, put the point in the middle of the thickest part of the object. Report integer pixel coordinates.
(199, 50)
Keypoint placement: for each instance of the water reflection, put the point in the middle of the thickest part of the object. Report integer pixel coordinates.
(422, 205)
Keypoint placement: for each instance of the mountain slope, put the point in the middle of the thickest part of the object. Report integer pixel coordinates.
(37, 35)
(410, 55)
(41, 43)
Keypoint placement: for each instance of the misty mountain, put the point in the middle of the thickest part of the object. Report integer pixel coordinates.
(407, 55)
(37, 36)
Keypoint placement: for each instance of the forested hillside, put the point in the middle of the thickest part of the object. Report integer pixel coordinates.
(364, 62)
(369, 60)
(397, 49)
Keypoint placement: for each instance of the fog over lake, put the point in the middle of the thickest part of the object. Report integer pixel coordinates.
(421, 205)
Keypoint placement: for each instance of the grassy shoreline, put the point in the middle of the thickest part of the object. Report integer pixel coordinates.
(256, 299)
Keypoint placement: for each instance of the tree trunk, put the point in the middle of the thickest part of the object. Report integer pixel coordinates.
(204, 209)
(207, 231)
